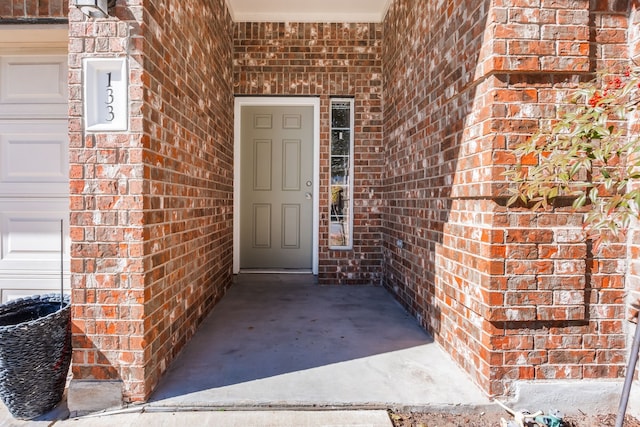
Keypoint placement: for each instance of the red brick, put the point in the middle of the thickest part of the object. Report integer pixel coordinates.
(603, 371)
(6, 8)
(557, 372)
(31, 8)
(564, 341)
(428, 172)
(536, 357)
(566, 312)
(125, 265)
(528, 298)
(43, 8)
(571, 357)
(529, 236)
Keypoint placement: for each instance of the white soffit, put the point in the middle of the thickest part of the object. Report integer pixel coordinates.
(308, 10)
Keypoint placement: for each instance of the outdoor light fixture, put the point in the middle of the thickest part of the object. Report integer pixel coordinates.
(95, 8)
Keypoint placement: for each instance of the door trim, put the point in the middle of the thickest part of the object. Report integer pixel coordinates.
(276, 102)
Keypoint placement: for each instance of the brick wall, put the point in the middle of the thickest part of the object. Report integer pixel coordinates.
(31, 9)
(343, 60)
(434, 120)
(188, 159)
(151, 208)
(509, 294)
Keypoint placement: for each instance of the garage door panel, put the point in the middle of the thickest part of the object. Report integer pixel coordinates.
(30, 234)
(34, 165)
(33, 85)
(17, 287)
(33, 158)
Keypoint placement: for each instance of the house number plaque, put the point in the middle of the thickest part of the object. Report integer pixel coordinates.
(105, 94)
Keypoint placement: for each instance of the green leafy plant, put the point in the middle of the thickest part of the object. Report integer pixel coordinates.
(589, 156)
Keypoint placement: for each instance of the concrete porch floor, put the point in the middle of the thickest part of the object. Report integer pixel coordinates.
(290, 348)
(278, 340)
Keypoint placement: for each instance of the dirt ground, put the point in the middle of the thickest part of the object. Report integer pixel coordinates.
(442, 419)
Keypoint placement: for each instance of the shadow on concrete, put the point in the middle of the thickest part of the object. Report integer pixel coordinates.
(281, 340)
(60, 412)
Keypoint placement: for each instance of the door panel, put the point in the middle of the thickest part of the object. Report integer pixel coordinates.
(291, 226)
(275, 203)
(262, 166)
(261, 226)
(291, 165)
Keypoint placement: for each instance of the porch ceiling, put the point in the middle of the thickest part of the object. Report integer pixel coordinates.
(308, 11)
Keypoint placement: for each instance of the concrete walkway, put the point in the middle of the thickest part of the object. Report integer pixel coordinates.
(282, 342)
(362, 418)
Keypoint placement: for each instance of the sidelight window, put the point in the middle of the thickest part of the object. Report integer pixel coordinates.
(341, 186)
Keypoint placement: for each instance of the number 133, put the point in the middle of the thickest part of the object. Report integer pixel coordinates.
(110, 99)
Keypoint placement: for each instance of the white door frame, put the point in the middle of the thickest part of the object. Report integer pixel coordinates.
(273, 101)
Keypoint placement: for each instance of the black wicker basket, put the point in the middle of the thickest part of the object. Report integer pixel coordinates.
(35, 353)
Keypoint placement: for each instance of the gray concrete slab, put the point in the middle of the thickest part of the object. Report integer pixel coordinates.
(280, 340)
(58, 413)
(237, 419)
(633, 407)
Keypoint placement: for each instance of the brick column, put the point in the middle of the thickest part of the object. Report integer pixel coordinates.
(512, 295)
(107, 224)
(546, 307)
(151, 207)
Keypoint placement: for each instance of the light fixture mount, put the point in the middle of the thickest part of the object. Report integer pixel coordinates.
(95, 8)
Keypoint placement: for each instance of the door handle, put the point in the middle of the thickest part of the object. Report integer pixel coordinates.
(308, 195)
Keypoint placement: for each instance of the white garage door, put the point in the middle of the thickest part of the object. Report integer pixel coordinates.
(33, 170)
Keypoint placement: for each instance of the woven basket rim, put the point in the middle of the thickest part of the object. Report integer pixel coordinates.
(55, 298)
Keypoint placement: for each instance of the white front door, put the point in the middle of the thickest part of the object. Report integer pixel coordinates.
(34, 182)
(276, 208)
